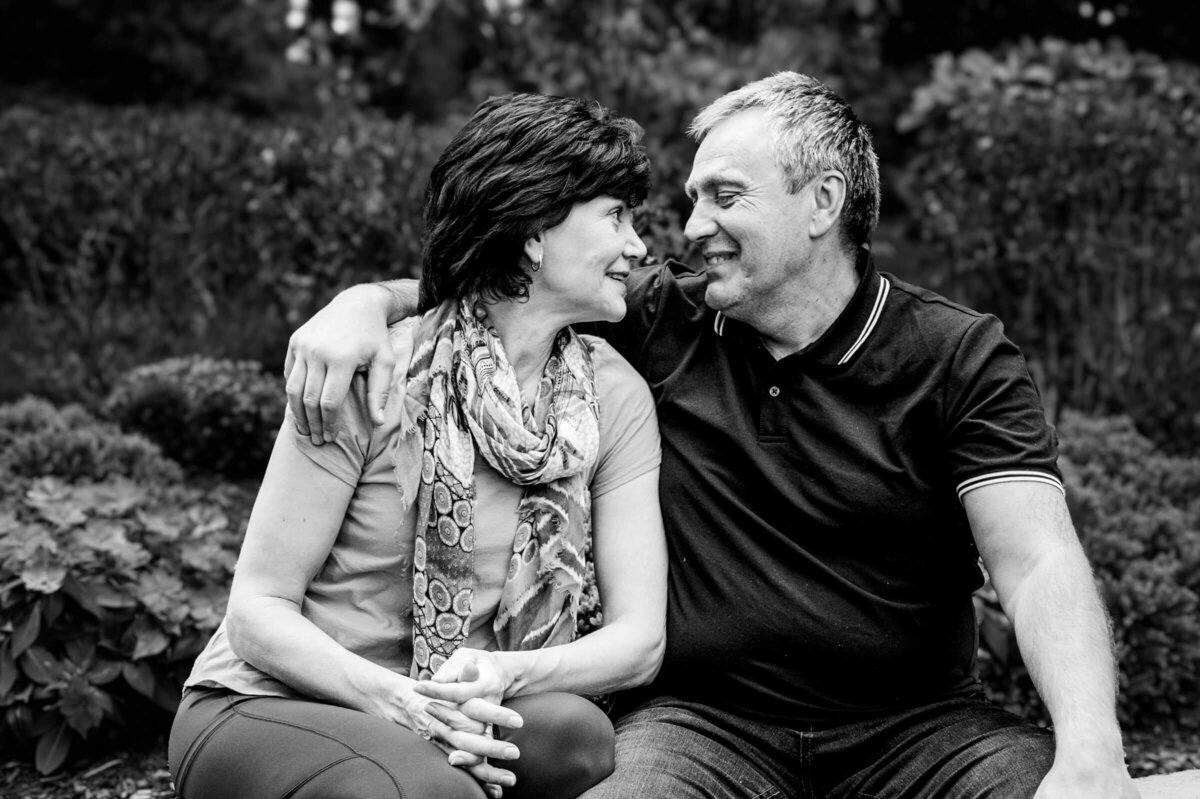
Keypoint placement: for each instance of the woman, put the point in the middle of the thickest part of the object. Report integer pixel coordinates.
(401, 619)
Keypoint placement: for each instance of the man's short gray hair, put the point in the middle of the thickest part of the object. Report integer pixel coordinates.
(812, 129)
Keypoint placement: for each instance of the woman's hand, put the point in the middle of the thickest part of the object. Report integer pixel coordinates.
(469, 674)
(466, 737)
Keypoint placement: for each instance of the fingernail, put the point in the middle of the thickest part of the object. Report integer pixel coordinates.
(316, 440)
(456, 759)
(512, 752)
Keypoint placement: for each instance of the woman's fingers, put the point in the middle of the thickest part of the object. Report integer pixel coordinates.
(474, 743)
(488, 712)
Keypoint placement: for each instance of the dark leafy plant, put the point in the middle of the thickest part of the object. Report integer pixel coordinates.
(212, 416)
(108, 589)
(1056, 184)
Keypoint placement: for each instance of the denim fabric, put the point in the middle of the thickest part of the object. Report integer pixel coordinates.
(225, 745)
(963, 748)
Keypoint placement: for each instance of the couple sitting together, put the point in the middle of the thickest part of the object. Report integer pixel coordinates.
(839, 451)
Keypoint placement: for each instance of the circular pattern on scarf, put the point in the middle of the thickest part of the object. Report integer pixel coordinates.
(419, 555)
(441, 499)
(467, 542)
(524, 533)
(462, 603)
(462, 513)
(448, 625)
(438, 595)
(421, 652)
(448, 531)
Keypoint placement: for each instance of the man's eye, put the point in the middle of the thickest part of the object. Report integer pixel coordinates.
(725, 198)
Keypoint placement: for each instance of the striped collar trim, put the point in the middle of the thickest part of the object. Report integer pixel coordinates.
(851, 331)
(1010, 476)
(885, 286)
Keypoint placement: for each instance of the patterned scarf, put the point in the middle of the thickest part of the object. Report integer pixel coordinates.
(462, 393)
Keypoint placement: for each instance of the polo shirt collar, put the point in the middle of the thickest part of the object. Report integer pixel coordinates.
(853, 328)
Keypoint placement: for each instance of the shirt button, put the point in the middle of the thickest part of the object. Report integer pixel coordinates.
(773, 391)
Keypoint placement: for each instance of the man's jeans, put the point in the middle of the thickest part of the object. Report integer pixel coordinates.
(959, 748)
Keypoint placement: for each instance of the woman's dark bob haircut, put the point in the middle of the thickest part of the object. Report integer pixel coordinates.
(517, 168)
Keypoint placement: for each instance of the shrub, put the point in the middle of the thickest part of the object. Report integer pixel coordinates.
(38, 439)
(131, 235)
(1137, 512)
(210, 415)
(109, 586)
(1057, 185)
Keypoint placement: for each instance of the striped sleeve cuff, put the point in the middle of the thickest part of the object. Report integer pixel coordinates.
(1012, 476)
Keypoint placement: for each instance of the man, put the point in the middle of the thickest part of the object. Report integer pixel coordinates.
(839, 450)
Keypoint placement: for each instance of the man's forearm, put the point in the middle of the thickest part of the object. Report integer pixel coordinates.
(402, 298)
(1063, 633)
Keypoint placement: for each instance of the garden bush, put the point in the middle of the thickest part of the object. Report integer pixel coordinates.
(1137, 512)
(131, 235)
(109, 587)
(1057, 185)
(213, 416)
(38, 439)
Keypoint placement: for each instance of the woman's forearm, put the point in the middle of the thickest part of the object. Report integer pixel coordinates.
(270, 634)
(610, 659)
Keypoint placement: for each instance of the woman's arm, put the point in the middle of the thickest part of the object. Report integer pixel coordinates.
(295, 521)
(631, 570)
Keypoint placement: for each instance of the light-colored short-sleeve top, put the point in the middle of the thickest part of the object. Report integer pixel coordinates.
(362, 596)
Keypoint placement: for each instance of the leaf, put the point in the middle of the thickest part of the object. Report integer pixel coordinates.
(140, 678)
(150, 641)
(8, 669)
(40, 666)
(45, 574)
(83, 706)
(53, 748)
(82, 594)
(27, 631)
(104, 672)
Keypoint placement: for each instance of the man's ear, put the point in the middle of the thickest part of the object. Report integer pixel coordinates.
(829, 195)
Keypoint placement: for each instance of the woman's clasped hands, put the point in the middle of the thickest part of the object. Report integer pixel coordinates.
(464, 704)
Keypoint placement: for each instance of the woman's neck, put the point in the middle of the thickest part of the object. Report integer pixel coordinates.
(528, 337)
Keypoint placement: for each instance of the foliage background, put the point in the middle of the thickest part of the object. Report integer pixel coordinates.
(182, 183)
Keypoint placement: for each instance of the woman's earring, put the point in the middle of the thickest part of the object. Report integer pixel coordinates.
(537, 264)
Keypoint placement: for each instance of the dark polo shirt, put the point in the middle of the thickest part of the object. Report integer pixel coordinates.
(821, 564)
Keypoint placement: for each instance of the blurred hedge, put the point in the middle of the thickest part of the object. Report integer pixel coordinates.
(1058, 184)
(130, 235)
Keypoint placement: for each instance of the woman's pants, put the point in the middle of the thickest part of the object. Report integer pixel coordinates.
(226, 745)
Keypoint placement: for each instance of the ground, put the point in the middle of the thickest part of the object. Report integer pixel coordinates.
(143, 774)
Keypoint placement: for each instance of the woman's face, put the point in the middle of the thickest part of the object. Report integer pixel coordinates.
(586, 259)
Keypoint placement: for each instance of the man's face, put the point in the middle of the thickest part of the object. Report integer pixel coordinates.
(751, 232)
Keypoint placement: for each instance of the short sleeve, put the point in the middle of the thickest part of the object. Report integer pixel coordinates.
(997, 426)
(629, 442)
(347, 454)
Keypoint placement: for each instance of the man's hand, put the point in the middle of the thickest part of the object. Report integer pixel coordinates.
(324, 353)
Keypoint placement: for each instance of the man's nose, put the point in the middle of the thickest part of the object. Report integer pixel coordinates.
(700, 224)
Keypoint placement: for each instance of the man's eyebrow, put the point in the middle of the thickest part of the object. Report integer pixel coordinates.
(710, 182)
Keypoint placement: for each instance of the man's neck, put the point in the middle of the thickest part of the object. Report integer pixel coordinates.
(808, 307)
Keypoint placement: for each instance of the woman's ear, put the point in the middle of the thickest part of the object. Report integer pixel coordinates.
(534, 249)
